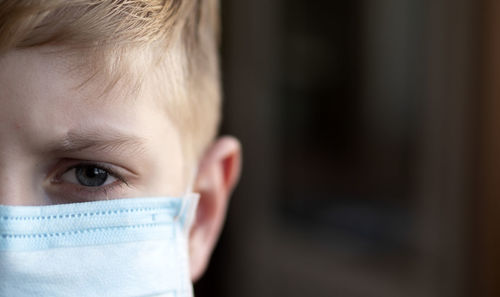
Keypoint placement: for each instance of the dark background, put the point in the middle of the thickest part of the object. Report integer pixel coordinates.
(361, 125)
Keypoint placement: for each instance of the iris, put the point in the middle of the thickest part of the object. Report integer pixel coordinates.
(91, 176)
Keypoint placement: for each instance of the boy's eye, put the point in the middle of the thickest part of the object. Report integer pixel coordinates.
(88, 176)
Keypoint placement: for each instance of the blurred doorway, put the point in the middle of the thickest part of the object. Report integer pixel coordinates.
(358, 121)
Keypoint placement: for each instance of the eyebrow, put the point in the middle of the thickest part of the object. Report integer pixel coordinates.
(105, 140)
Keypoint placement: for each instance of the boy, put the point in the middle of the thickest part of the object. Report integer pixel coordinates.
(108, 112)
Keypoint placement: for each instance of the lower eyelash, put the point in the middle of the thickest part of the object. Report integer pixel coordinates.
(94, 193)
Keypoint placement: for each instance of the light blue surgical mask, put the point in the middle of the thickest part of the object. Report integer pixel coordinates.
(123, 247)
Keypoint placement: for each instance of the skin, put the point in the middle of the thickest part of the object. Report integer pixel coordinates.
(49, 128)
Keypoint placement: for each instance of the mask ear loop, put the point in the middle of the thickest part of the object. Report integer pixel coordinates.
(189, 204)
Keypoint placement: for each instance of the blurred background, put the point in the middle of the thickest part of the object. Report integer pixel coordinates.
(370, 137)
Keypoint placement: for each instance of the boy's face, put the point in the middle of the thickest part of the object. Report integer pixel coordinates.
(48, 126)
(61, 144)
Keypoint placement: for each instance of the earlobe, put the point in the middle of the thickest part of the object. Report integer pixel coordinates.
(218, 174)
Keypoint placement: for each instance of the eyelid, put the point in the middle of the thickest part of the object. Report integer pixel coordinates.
(60, 191)
(70, 176)
(108, 168)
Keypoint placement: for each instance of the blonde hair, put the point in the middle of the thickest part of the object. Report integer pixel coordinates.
(172, 42)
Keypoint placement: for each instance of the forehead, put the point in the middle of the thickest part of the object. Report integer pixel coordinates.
(43, 97)
(52, 88)
(62, 73)
(44, 114)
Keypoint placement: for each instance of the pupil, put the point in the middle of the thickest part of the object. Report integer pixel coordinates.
(91, 176)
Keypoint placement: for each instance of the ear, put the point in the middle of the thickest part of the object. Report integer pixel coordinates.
(218, 173)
